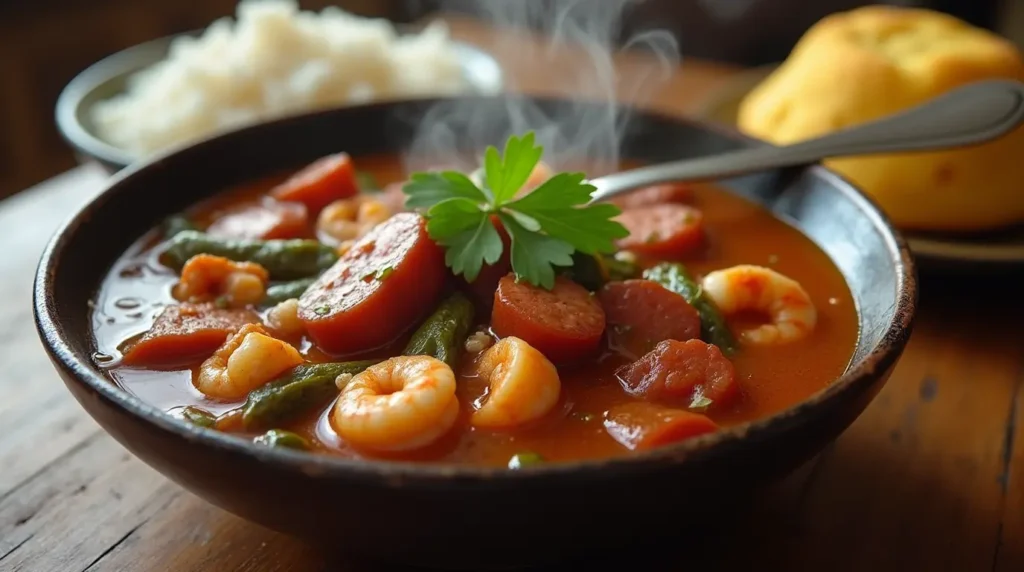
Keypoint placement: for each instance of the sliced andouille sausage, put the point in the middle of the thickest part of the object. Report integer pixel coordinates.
(669, 230)
(641, 313)
(654, 195)
(321, 183)
(691, 374)
(386, 283)
(641, 426)
(184, 333)
(266, 220)
(565, 323)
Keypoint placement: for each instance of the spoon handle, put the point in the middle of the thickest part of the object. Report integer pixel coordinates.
(970, 115)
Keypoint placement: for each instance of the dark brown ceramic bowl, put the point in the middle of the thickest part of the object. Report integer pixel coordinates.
(455, 516)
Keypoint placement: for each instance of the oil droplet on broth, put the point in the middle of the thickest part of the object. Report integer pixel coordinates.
(127, 303)
(134, 270)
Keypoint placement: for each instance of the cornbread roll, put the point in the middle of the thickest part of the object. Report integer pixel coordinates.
(860, 65)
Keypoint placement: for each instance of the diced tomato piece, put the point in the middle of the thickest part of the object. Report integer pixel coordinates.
(321, 183)
(269, 219)
(654, 195)
(641, 313)
(643, 426)
(690, 374)
(385, 283)
(185, 333)
(565, 323)
(669, 230)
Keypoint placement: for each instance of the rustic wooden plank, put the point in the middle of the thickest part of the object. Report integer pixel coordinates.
(35, 405)
(1009, 555)
(40, 435)
(88, 501)
(925, 457)
(194, 535)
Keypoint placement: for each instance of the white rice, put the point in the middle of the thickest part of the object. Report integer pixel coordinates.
(275, 60)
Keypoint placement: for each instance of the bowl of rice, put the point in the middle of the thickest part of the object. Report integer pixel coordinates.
(270, 61)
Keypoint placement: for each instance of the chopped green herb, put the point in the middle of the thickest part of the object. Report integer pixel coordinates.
(322, 310)
(545, 226)
(197, 416)
(700, 403)
(383, 273)
(221, 302)
(281, 438)
(520, 460)
(367, 182)
(622, 329)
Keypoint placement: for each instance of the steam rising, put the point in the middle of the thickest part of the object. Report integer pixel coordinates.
(588, 132)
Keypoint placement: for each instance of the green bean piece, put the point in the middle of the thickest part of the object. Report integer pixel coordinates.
(594, 271)
(586, 271)
(713, 328)
(175, 224)
(284, 259)
(287, 290)
(197, 416)
(282, 438)
(367, 182)
(443, 334)
(525, 459)
(301, 388)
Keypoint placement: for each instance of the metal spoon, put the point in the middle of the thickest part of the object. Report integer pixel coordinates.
(970, 115)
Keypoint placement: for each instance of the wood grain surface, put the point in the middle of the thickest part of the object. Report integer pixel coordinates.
(928, 478)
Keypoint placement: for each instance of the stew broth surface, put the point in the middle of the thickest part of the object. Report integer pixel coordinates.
(770, 378)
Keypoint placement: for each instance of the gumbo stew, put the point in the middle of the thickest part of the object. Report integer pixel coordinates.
(489, 318)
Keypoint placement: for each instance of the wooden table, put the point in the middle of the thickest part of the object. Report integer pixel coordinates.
(929, 478)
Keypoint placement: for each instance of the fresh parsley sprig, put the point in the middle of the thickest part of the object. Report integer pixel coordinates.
(545, 226)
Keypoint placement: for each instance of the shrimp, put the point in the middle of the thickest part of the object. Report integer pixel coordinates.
(523, 385)
(346, 220)
(247, 360)
(206, 276)
(402, 403)
(283, 319)
(791, 313)
(478, 342)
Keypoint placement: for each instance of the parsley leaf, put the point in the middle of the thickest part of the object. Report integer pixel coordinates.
(471, 240)
(559, 206)
(453, 216)
(506, 175)
(534, 254)
(546, 226)
(426, 189)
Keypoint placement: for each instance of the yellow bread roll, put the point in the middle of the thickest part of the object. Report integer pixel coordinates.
(860, 65)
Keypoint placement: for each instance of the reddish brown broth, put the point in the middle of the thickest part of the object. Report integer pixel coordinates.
(739, 232)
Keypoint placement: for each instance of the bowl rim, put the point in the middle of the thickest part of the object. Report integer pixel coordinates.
(859, 373)
(126, 62)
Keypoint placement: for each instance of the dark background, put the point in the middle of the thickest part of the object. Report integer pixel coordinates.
(44, 43)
